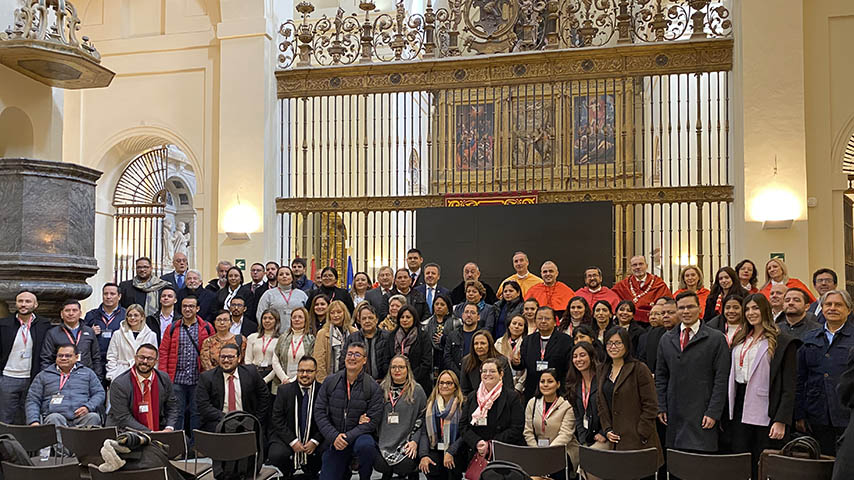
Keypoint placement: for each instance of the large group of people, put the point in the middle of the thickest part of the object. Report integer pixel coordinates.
(405, 375)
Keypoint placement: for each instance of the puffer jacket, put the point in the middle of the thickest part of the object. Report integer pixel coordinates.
(381, 340)
(336, 413)
(82, 389)
(169, 345)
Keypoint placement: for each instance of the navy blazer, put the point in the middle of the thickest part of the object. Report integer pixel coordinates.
(440, 290)
(820, 367)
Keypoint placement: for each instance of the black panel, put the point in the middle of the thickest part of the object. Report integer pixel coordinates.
(573, 235)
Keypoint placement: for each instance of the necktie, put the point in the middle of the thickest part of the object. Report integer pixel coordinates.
(252, 288)
(179, 280)
(414, 278)
(430, 298)
(303, 411)
(684, 340)
(232, 396)
(146, 398)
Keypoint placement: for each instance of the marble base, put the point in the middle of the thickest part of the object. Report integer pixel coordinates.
(47, 239)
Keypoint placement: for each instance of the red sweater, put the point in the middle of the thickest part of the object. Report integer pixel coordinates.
(169, 345)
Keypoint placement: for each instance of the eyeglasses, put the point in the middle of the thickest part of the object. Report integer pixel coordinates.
(65, 355)
(355, 355)
(301, 371)
(614, 344)
(145, 358)
(227, 357)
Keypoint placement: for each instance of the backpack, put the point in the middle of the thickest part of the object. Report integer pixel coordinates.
(501, 470)
(239, 422)
(11, 451)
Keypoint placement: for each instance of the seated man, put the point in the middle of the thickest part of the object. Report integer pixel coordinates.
(343, 399)
(294, 433)
(142, 397)
(66, 393)
(230, 387)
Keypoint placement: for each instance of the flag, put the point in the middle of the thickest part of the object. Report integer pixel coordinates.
(349, 272)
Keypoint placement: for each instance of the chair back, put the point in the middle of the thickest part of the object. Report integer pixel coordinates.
(224, 447)
(66, 471)
(695, 466)
(619, 464)
(86, 443)
(157, 473)
(778, 467)
(175, 440)
(32, 438)
(535, 461)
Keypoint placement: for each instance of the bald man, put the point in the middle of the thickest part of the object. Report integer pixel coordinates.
(177, 277)
(525, 278)
(21, 340)
(472, 272)
(642, 288)
(551, 293)
(777, 299)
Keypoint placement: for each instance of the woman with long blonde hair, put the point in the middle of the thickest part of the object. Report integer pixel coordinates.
(776, 272)
(329, 345)
(442, 426)
(691, 279)
(761, 381)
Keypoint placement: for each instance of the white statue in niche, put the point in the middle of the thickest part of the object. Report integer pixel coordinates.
(175, 240)
(181, 239)
(168, 249)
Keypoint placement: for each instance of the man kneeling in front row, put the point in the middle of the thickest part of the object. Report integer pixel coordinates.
(66, 393)
(295, 435)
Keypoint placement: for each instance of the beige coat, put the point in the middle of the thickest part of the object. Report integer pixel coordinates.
(322, 351)
(560, 426)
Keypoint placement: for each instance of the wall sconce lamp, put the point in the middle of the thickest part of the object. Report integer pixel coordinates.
(777, 224)
(239, 221)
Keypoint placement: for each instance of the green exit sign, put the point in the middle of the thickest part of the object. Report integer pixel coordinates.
(240, 263)
(780, 255)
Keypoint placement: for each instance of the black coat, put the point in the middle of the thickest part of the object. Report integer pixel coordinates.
(513, 309)
(284, 428)
(784, 378)
(470, 381)
(122, 406)
(416, 301)
(692, 384)
(586, 436)
(843, 469)
(557, 351)
(8, 332)
(420, 358)
(379, 301)
(504, 422)
(383, 351)
(648, 351)
(452, 349)
(210, 395)
(488, 315)
(207, 302)
(337, 412)
(458, 294)
(334, 293)
(87, 347)
(712, 300)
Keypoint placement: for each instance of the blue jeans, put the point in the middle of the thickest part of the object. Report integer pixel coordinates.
(13, 395)
(336, 463)
(188, 416)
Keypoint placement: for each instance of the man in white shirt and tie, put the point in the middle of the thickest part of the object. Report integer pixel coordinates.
(231, 387)
(378, 297)
(414, 260)
(431, 288)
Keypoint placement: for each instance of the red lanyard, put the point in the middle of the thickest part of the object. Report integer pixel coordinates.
(265, 345)
(294, 351)
(585, 394)
(730, 339)
(63, 379)
(543, 348)
(70, 338)
(393, 401)
(111, 318)
(744, 349)
(547, 412)
(288, 298)
(25, 330)
(348, 390)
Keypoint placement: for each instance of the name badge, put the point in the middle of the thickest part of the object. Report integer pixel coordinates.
(542, 365)
(585, 423)
(56, 400)
(543, 442)
(107, 334)
(440, 446)
(481, 422)
(393, 419)
(143, 408)
(26, 354)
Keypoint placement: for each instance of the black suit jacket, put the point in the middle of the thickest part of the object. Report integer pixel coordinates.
(419, 280)
(379, 301)
(440, 290)
(284, 425)
(9, 330)
(131, 294)
(210, 395)
(170, 277)
(207, 302)
(557, 350)
(505, 422)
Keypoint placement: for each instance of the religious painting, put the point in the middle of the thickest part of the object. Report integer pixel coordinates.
(533, 132)
(594, 129)
(474, 139)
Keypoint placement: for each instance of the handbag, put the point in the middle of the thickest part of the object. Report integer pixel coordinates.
(476, 466)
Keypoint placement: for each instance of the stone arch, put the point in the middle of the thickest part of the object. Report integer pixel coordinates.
(17, 138)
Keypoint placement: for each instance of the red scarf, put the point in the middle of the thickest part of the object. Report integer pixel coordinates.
(153, 407)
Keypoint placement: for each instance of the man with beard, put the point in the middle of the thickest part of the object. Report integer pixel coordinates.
(21, 340)
(797, 321)
(205, 297)
(142, 397)
(230, 387)
(551, 293)
(295, 437)
(472, 272)
(218, 283)
(272, 270)
(641, 288)
(143, 289)
(301, 280)
(593, 290)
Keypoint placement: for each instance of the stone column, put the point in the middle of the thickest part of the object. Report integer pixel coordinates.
(47, 239)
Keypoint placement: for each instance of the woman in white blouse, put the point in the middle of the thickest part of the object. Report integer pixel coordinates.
(296, 342)
(132, 333)
(261, 345)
